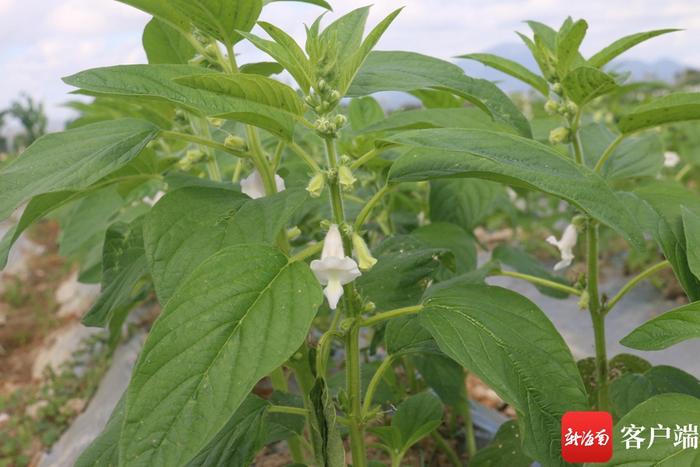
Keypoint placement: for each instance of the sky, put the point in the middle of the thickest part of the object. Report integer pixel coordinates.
(43, 40)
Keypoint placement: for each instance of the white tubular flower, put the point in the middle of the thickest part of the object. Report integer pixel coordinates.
(671, 159)
(334, 269)
(254, 187)
(565, 245)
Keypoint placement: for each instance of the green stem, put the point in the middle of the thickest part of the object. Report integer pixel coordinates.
(260, 160)
(307, 252)
(277, 156)
(305, 156)
(634, 281)
(231, 58)
(203, 142)
(608, 152)
(597, 315)
(576, 140)
(366, 157)
(288, 410)
(683, 172)
(334, 188)
(367, 208)
(374, 383)
(446, 448)
(324, 349)
(381, 317)
(466, 412)
(354, 390)
(279, 383)
(539, 281)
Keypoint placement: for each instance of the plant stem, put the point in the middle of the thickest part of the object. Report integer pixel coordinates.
(597, 315)
(334, 187)
(367, 208)
(288, 410)
(231, 58)
(540, 281)
(683, 172)
(279, 383)
(380, 317)
(354, 391)
(374, 383)
(634, 281)
(366, 157)
(260, 160)
(608, 152)
(203, 142)
(466, 412)
(305, 156)
(323, 350)
(576, 140)
(306, 252)
(446, 448)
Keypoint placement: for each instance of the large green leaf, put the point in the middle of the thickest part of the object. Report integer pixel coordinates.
(408, 71)
(585, 83)
(622, 45)
(72, 160)
(514, 160)
(568, 41)
(462, 117)
(667, 410)
(453, 238)
(320, 3)
(514, 69)
(363, 112)
(242, 313)
(405, 334)
(189, 225)
(636, 156)
(505, 449)
(104, 450)
(328, 446)
(158, 82)
(676, 107)
(444, 376)
(220, 19)
(691, 227)
(165, 44)
(123, 266)
(659, 210)
(465, 202)
(672, 327)
(511, 345)
(526, 264)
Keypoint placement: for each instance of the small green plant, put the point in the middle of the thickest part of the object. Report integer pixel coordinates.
(291, 236)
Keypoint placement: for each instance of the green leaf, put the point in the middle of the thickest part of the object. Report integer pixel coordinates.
(416, 418)
(104, 450)
(165, 44)
(404, 265)
(72, 160)
(691, 227)
(670, 328)
(242, 313)
(408, 71)
(505, 449)
(262, 68)
(255, 88)
(158, 81)
(463, 117)
(405, 334)
(281, 426)
(676, 107)
(514, 160)
(207, 220)
(464, 202)
(622, 45)
(660, 215)
(320, 3)
(453, 238)
(444, 376)
(636, 156)
(585, 83)
(239, 440)
(668, 410)
(526, 264)
(513, 347)
(568, 42)
(286, 52)
(632, 389)
(345, 33)
(123, 266)
(220, 19)
(513, 69)
(328, 446)
(363, 112)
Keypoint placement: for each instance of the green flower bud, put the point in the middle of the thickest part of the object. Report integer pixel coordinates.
(334, 96)
(571, 107)
(551, 106)
(194, 155)
(293, 233)
(584, 301)
(216, 122)
(559, 135)
(316, 184)
(340, 120)
(321, 85)
(556, 88)
(235, 142)
(212, 50)
(368, 307)
(345, 177)
(364, 256)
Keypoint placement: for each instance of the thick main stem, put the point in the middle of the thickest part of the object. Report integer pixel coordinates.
(597, 315)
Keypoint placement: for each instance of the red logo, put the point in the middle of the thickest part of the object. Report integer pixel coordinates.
(586, 436)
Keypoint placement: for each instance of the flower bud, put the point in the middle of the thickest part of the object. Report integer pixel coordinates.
(364, 256)
(235, 142)
(293, 233)
(571, 107)
(334, 96)
(345, 177)
(212, 50)
(551, 106)
(559, 135)
(216, 122)
(584, 301)
(316, 184)
(340, 120)
(556, 88)
(194, 155)
(321, 85)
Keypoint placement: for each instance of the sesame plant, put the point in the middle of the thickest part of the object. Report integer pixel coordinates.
(297, 234)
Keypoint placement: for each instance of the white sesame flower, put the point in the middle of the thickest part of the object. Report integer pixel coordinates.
(565, 245)
(254, 187)
(334, 269)
(671, 159)
(152, 200)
